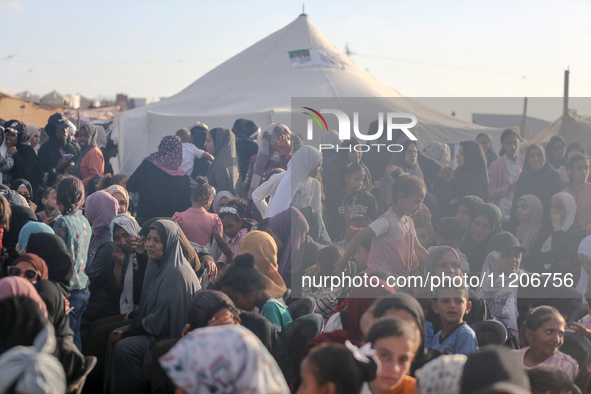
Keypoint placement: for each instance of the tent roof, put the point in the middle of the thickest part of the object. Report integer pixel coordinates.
(577, 128)
(259, 83)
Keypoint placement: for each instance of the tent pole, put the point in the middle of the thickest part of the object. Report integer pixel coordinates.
(565, 108)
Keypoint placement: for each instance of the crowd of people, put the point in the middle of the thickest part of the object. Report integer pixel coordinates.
(204, 271)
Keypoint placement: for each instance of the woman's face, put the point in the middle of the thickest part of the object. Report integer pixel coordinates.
(122, 202)
(411, 155)
(209, 145)
(222, 203)
(510, 261)
(11, 138)
(557, 208)
(23, 191)
(483, 141)
(83, 138)
(25, 266)
(510, 145)
(558, 150)
(460, 157)
(480, 229)
(580, 171)
(354, 157)
(523, 210)
(536, 159)
(154, 245)
(123, 240)
(395, 355)
(463, 216)
(449, 265)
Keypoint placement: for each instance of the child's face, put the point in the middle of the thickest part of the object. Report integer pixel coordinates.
(396, 355)
(309, 384)
(445, 241)
(361, 258)
(411, 204)
(231, 226)
(50, 202)
(424, 236)
(509, 261)
(451, 306)
(548, 337)
(449, 265)
(463, 216)
(354, 182)
(241, 301)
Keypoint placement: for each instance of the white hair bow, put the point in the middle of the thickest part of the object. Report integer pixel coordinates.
(362, 353)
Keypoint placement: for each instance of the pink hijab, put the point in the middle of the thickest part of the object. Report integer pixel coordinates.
(15, 286)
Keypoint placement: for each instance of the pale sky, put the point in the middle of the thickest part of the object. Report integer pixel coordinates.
(154, 49)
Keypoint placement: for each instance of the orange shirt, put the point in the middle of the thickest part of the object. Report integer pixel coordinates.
(406, 386)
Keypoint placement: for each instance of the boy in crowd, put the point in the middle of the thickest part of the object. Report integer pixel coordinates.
(452, 304)
(190, 152)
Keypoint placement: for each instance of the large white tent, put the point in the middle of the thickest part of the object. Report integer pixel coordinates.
(259, 83)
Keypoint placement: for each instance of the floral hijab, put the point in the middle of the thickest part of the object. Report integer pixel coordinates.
(169, 156)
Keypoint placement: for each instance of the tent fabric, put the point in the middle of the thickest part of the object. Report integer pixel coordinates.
(574, 128)
(259, 83)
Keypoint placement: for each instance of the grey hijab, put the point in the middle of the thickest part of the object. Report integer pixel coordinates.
(93, 131)
(169, 287)
(436, 253)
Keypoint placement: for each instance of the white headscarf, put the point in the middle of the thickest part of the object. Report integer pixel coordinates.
(527, 231)
(585, 250)
(298, 171)
(223, 360)
(570, 206)
(33, 368)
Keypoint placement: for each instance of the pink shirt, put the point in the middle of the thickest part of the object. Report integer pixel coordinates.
(558, 360)
(583, 199)
(392, 250)
(199, 225)
(234, 244)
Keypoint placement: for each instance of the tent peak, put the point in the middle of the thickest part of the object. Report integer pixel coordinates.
(303, 14)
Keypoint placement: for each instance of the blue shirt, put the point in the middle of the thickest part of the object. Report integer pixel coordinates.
(462, 340)
(75, 231)
(430, 334)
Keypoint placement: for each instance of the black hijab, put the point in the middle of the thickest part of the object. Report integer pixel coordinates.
(476, 252)
(20, 181)
(472, 177)
(491, 155)
(21, 320)
(472, 203)
(60, 264)
(556, 164)
(19, 217)
(206, 304)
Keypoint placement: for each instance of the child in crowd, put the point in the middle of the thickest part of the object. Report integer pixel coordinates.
(450, 232)
(200, 226)
(233, 225)
(543, 330)
(362, 256)
(326, 298)
(336, 369)
(546, 380)
(451, 304)
(246, 287)
(190, 152)
(75, 230)
(396, 343)
(356, 224)
(425, 233)
(48, 199)
(355, 201)
(394, 247)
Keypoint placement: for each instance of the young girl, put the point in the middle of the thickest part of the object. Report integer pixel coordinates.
(235, 227)
(394, 247)
(396, 343)
(580, 189)
(354, 201)
(48, 199)
(336, 369)
(200, 226)
(543, 331)
(75, 230)
(246, 287)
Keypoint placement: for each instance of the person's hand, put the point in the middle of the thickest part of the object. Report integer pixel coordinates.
(224, 320)
(186, 329)
(12, 150)
(212, 268)
(447, 174)
(208, 156)
(312, 270)
(284, 145)
(33, 206)
(581, 330)
(118, 256)
(117, 337)
(63, 163)
(341, 265)
(50, 221)
(137, 245)
(555, 221)
(126, 317)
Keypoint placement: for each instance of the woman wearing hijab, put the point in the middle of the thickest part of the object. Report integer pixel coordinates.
(487, 222)
(438, 151)
(223, 173)
(14, 286)
(330, 137)
(466, 209)
(220, 200)
(556, 156)
(503, 260)
(162, 185)
(6, 160)
(529, 213)
(170, 287)
(469, 179)
(25, 157)
(537, 178)
(23, 187)
(101, 208)
(245, 131)
(297, 187)
(120, 194)
(57, 153)
(29, 267)
(237, 362)
(274, 152)
(264, 249)
(90, 162)
(485, 141)
(20, 216)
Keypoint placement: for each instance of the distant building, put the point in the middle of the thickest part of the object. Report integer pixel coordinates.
(57, 99)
